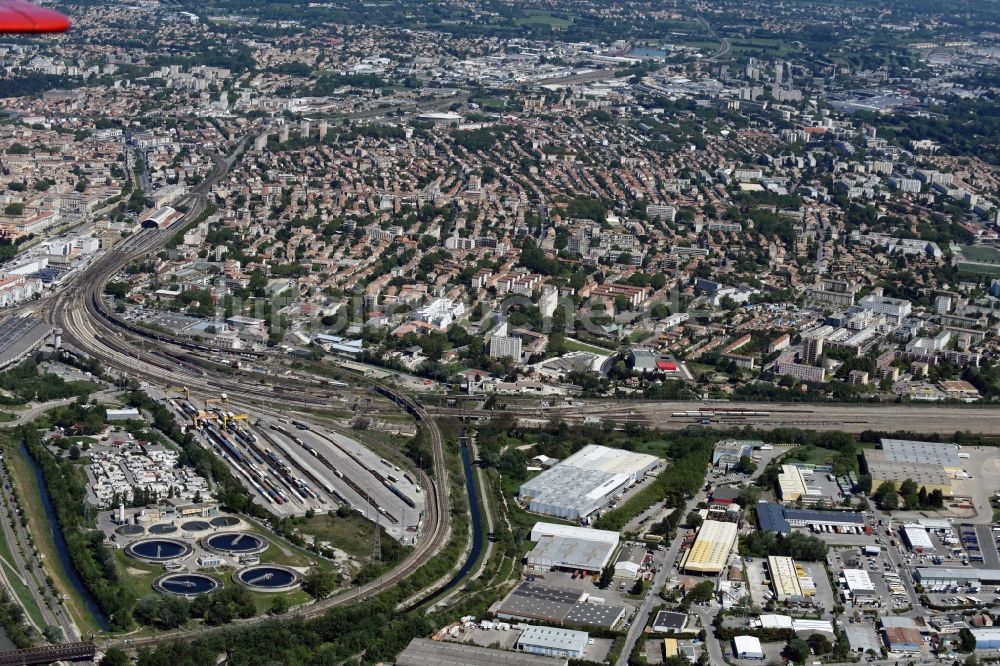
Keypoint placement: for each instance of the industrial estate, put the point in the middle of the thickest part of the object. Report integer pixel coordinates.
(501, 334)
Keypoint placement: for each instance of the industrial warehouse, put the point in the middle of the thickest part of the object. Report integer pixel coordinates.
(585, 482)
(711, 548)
(932, 465)
(571, 548)
(534, 601)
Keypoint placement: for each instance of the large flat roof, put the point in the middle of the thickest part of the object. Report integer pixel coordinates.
(924, 474)
(712, 547)
(553, 638)
(862, 637)
(423, 652)
(542, 528)
(858, 580)
(771, 518)
(580, 484)
(913, 451)
(948, 573)
(613, 461)
(819, 516)
(533, 601)
(784, 577)
(539, 602)
(571, 552)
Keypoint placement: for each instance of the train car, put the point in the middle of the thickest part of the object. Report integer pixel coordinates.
(401, 495)
(300, 425)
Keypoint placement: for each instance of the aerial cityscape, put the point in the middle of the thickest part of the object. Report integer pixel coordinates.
(500, 333)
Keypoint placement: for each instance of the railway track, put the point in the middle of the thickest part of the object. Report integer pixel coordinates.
(90, 327)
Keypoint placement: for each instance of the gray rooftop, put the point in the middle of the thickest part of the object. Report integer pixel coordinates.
(594, 615)
(571, 553)
(927, 453)
(423, 652)
(539, 602)
(533, 601)
(569, 487)
(553, 638)
(862, 637)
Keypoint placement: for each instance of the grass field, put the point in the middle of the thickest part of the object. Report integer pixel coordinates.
(352, 534)
(544, 18)
(981, 253)
(20, 589)
(771, 46)
(576, 345)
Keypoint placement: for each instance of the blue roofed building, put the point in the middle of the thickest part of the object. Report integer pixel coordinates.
(771, 518)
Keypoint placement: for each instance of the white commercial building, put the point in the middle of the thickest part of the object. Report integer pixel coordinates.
(571, 547)
(552, 642)
(917, 538)
(747, 647)
(586, 481)
(858, 586)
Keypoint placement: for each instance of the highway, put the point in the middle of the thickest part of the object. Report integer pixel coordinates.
(89, 327)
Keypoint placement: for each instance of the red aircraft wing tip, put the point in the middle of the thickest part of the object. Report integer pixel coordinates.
(18, 16)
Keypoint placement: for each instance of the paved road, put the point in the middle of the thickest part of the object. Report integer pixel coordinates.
(31, 572)
(653, 594)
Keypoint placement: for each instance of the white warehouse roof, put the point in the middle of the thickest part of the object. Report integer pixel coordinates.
(917, 537)
(572, 531)
(747, 647)
(858, 580)
(553, 639)
(584, 482)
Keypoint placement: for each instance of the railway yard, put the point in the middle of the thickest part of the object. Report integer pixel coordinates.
(293, 467)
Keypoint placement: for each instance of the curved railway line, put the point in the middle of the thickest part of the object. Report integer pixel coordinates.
(89, 326)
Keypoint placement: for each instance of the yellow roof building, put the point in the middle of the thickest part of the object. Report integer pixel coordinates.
(712, 547)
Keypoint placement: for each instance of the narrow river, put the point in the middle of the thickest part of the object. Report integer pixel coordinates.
(62, 550)
(477, 527)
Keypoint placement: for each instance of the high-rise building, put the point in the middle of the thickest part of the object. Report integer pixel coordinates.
(549, 301)
(505, 346)
(812, 350)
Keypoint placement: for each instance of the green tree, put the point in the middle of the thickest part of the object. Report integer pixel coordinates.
(966, 641)
(746, 465)
(319, 583)
(886, 495)
(115, 657)
(797, 651)
(819, 644)
(607, 577)
(701, 593)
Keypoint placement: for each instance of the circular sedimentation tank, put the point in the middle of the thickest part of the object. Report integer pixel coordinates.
(158, 550)
(163, 528)
(130, 530)
(235, 543)
(196, 526)
(225, 521)
(268, 578)
(186, 584)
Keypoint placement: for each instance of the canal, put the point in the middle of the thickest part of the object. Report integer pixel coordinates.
(477, 526)
(62, 550)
